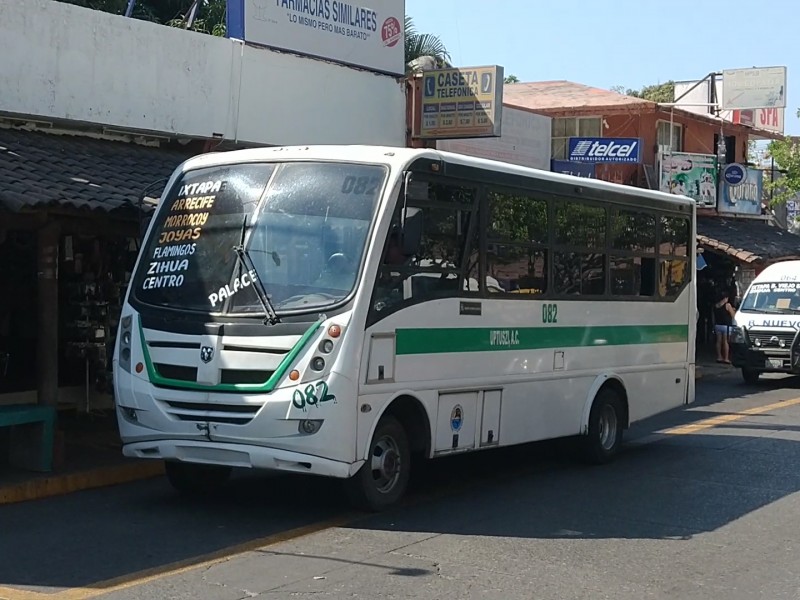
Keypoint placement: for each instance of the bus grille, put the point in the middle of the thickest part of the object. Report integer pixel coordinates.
(771, 339)
(234, 414)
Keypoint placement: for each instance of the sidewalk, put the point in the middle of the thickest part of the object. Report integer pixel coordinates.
(90, 456)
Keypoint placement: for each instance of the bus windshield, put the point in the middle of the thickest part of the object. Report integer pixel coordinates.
(304, 226)
(778, 297)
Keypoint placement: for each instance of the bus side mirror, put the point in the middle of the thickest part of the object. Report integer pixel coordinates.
(412, 230)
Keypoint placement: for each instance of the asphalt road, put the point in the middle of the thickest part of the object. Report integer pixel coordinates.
(708, 509)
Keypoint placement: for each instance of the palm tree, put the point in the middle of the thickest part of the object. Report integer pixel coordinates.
(423, 48)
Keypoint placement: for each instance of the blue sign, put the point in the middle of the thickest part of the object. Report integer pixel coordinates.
(605, 150)
(745, 197)
(734, 174)
(572, 168)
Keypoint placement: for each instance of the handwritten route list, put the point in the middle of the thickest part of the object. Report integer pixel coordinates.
(182, 227)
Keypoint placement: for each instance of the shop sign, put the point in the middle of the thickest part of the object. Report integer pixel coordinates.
(575, 169)
(336, 30)
(604, 150)
(745, 197)
(734, 174)
(754, 88)
(692, 175)
(462, 103)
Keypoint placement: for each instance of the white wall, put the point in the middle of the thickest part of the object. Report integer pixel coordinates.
(65, 62)
(524, 140)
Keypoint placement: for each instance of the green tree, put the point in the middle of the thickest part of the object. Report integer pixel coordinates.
(659, 92)
(786, 154)
(511, 79)
(420, 45)
(210, 16)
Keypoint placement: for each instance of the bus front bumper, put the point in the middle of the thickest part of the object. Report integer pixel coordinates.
(240, 456)
(752, 359)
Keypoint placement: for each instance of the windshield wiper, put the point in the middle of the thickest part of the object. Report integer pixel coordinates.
(244, 257)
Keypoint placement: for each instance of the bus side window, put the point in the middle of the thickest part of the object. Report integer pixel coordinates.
(448, 217)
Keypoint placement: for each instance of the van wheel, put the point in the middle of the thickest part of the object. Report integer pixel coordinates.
(383, 479)
(604, 438)
(750, 376)
(194, 479)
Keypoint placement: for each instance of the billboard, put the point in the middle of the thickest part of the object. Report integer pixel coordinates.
(744, 197)
(692, 175)
(769, 119)
(462, 103)
(525, 141)
(575, 169)
(754, 88)
(336, 30)
(604, 150)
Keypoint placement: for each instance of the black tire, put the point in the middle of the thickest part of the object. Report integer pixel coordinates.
(378, 489)
(750, 376)
(606, 423)
(192, 479)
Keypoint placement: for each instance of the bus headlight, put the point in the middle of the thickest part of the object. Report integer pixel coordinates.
(125, 336)
(737, 335)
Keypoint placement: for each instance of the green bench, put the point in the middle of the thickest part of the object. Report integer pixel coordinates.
(32, 435)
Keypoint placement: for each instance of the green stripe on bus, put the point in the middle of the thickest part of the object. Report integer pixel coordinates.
(489, 339)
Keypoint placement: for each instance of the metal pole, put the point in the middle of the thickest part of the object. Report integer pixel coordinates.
(129, 9)
(695, 85)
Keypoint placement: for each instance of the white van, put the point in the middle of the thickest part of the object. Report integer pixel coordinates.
(765, 332)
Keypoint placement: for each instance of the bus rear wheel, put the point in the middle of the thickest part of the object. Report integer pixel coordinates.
(383, 479)
(604, 438)
(193, 479)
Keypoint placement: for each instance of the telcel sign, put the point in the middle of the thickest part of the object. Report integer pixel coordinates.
(605, 150)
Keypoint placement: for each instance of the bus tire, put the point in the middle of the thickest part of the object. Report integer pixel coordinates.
(193, 479)
(751, 376)
(604, 437)
(383, 479)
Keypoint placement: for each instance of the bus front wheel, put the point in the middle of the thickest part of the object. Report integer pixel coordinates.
(604, 437)
(750, 376)
(383, 479)
(195, 479)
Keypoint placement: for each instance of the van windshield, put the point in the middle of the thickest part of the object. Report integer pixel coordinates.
(304, 226)
(778, 297)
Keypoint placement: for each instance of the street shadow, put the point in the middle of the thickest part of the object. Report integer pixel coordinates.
(678, 487)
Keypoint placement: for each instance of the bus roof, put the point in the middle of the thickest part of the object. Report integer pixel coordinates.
(401, 157)
(785, 269)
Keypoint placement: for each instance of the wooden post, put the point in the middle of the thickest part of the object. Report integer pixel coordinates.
(47, 335)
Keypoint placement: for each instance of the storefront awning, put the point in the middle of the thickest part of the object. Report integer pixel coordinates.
(747, 240)
(41, 170)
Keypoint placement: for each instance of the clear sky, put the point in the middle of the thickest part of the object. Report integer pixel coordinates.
(631, 43)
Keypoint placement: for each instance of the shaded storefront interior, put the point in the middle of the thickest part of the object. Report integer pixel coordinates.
(735, 251)
(70, 215)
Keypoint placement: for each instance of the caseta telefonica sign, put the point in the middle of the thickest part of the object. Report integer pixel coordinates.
(605, 150)
(370, 37)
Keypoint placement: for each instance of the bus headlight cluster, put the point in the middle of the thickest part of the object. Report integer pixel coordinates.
(325, 347)
(125, 336)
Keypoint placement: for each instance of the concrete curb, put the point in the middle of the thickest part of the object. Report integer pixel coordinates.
(58, 485)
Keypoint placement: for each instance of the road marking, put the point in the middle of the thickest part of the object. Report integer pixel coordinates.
(197, 562)
(728, 418)
(7, 593)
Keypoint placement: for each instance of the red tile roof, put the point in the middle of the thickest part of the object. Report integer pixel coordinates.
(559, 96)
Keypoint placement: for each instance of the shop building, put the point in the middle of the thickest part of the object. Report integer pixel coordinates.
(70, 217)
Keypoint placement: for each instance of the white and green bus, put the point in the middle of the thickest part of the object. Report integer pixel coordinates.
(337, 310)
